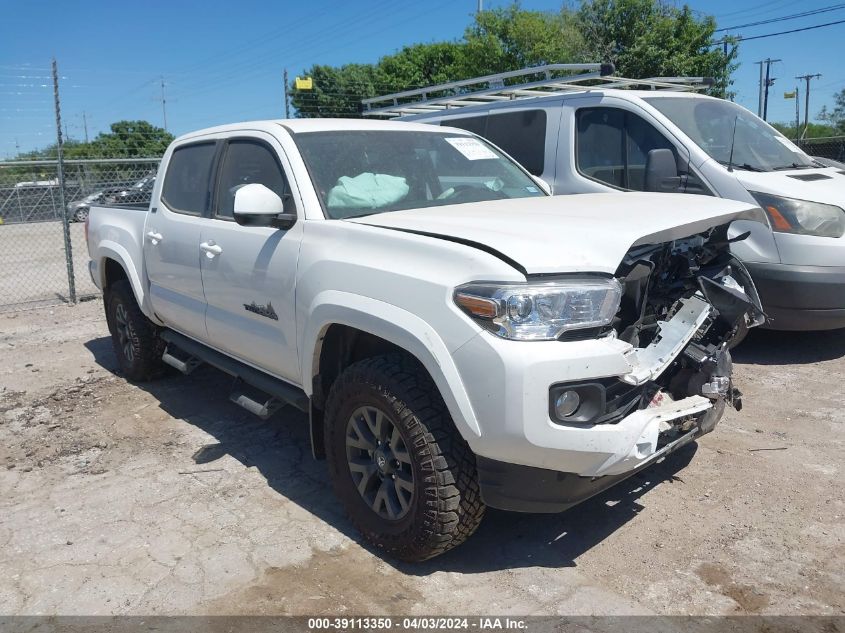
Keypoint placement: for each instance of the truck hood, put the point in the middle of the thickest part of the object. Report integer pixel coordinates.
(562, 234)
(825, 185)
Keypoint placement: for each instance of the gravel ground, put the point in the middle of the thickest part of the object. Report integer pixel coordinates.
(165, 498)
(33, 268)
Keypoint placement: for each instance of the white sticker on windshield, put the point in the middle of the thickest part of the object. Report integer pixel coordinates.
(471, 148)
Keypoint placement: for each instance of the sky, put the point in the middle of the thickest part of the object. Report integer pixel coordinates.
(222, 61)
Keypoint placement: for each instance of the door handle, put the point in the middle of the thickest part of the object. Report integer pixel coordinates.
(210, 248)
(155, 238)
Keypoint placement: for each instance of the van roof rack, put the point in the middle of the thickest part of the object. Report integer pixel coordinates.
(521, 84)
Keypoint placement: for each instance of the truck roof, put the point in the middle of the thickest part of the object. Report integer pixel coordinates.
(297, 126)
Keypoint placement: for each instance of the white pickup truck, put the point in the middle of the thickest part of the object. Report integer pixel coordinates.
(459, 338)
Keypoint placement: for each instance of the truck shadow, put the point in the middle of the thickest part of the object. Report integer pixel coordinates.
(769, 347)
(280, 449)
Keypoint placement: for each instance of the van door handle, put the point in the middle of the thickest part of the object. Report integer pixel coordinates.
(155, 238)
(211, 249)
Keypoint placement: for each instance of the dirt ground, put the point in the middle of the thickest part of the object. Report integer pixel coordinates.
(167, 499)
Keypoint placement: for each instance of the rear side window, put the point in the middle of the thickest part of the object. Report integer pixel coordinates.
(474, 124)
(187, 184)
(521, 134)
(247, 162)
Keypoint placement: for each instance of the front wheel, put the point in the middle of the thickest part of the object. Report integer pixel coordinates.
(398, 464)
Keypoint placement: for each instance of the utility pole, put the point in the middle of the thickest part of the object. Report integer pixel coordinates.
(480, 6)
(85, 126)
(760, 90)
(797, 113)
(60, 169)
(769, 83)
(807, 79)
(287, 96)
(163, 104)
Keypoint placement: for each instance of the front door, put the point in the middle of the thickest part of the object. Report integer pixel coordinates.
(249, 272)
(172, 236)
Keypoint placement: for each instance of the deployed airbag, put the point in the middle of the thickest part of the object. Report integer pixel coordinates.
(367, 191)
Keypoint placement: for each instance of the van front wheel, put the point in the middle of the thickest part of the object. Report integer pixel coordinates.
(405, 476)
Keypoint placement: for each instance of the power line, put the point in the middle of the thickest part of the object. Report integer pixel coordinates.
(760, 37)
(784, 18)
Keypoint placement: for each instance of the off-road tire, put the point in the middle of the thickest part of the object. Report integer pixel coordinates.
(445, 508)
(135, 338)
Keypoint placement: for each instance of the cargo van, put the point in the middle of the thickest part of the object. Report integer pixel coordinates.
(617, 136)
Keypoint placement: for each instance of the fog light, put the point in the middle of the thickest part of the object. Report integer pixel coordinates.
(567, 404)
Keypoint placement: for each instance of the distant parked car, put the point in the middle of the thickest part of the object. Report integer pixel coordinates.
(138, 193)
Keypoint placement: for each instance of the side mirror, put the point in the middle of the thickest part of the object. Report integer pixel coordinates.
(543, 184)
(257, 205)
(661, 172)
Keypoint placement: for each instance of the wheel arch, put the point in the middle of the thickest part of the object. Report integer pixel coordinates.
(343, 328)
(113, 264)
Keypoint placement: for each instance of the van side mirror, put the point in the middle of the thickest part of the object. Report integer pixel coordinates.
(257, 205)
(661, 172)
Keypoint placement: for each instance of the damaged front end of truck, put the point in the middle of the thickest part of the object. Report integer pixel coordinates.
(683, 305)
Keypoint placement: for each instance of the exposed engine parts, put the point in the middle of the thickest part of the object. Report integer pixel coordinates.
(658, 281)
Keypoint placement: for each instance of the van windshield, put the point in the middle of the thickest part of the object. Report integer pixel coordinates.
(362, 172)
(710, 124)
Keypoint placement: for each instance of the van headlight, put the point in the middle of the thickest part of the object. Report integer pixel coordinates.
(788, 215)
(540, 311)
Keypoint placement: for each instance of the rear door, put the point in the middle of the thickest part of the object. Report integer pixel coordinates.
(249, 272)
(172, 237)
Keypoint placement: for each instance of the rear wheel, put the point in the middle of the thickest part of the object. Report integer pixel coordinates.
(398, 464)
(134, 337)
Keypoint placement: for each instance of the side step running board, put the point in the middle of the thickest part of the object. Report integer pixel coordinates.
(255, 401)
(274, 392)
(186, 365)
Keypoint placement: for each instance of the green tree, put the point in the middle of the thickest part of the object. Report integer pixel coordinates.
(510, 38)
(835, 117)
(644, 38)
(647, 38)
(127, 139)
(814, 130)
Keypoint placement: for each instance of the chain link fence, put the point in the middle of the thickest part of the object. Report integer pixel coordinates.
(832, 147)
(39, 264)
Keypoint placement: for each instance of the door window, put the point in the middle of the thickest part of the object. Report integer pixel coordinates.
(600, 145)
(612, 146)
(187, 184)
(247, 162)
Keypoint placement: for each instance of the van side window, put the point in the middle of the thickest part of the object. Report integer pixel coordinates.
(522, 134)
(474, 124)
(600, 145)
(613, 145)
(187, 183)
(246, 162)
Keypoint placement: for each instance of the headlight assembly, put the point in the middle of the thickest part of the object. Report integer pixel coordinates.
(788, 215)
(541, 311)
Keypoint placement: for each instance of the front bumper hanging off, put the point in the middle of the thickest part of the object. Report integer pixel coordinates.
(591, 458)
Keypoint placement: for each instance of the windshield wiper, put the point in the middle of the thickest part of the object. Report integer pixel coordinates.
(794, 166)
(744, 166)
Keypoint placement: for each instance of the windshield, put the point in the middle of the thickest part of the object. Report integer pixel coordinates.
(358, 173)
(710, 123)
